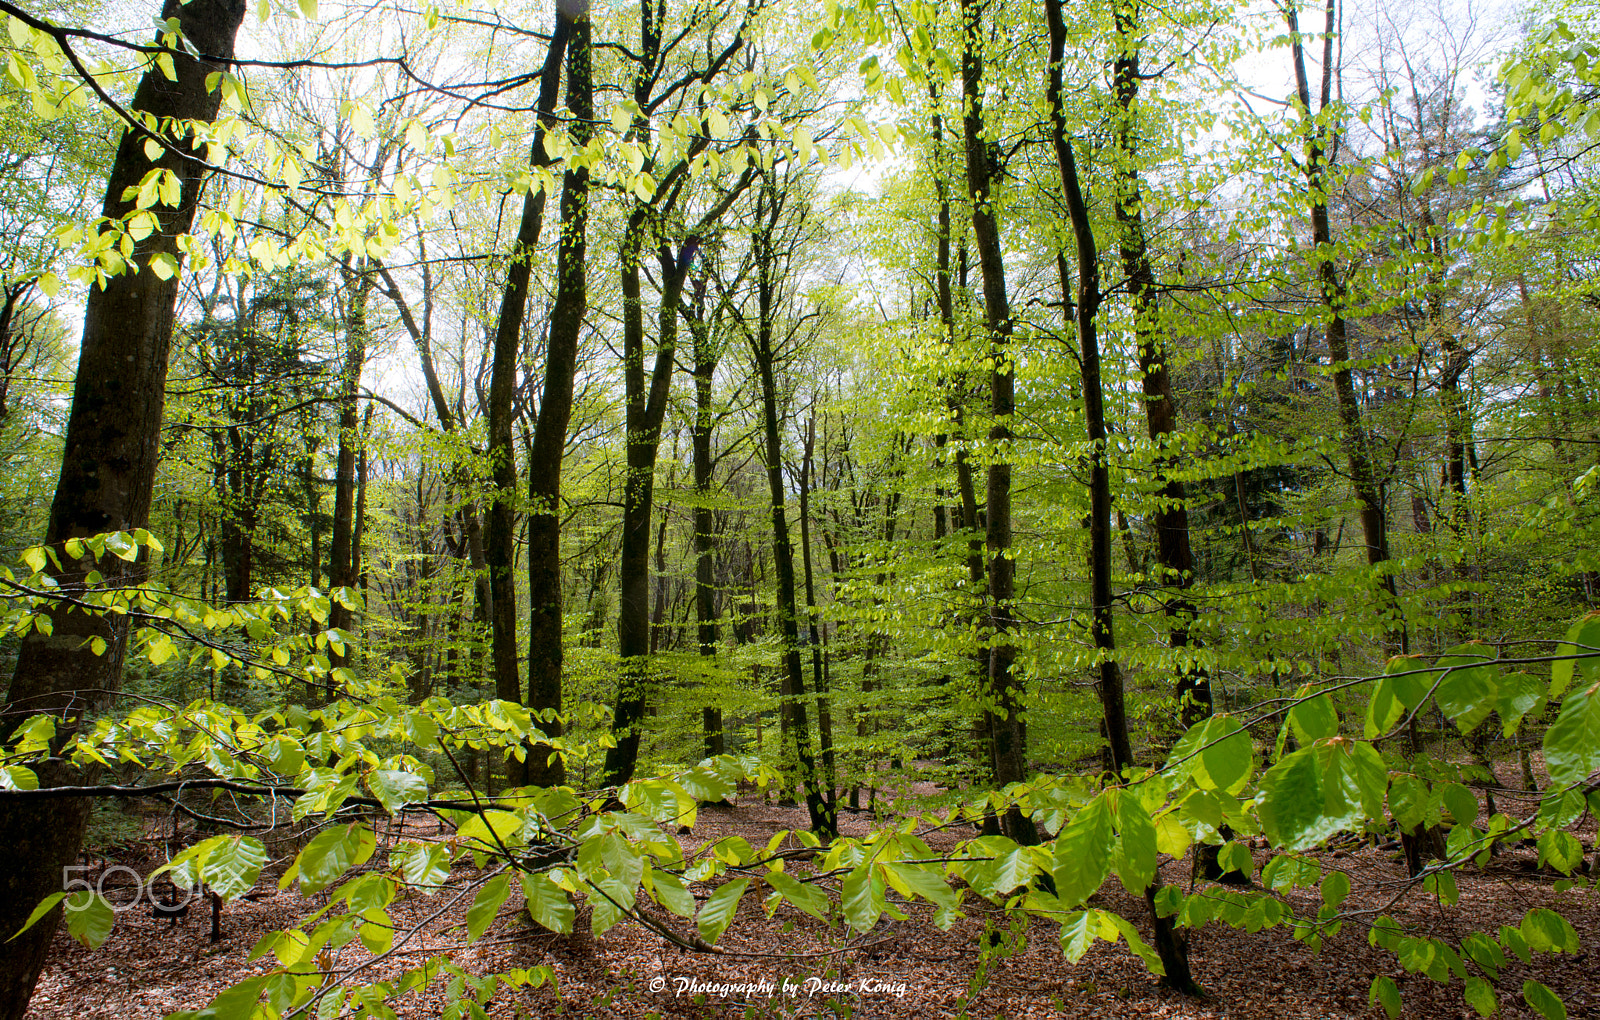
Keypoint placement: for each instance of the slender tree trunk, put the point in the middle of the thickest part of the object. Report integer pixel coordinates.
(500, 530)
(1010, 757)
(1170, 519)
(645, 409)
(107, 476)
(705, 591)
(819, 676)
(1170, 945)
(342, 556)
(545, 658)
(1322, 135)
(820, 809)
(646, 405)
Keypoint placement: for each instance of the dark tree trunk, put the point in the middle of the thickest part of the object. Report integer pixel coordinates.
(1008, 740)
(555, 414)
(500, 545)
(646, 405)
(819, 674)
(644, 412)
(1170, 519)
(706, 356)
(1170, 945)
(342, 554)
(1322, 135)
(769, 211)
(107, 476)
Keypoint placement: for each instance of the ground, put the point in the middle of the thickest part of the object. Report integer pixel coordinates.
(902, 969)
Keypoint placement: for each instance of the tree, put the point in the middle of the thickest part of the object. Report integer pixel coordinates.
(549, 441)
(109, 457)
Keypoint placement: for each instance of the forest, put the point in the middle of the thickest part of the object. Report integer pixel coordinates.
(699, 508)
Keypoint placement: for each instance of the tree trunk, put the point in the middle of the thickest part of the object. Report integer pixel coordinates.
(769, 210)
(1171, 946)
(500, 545)
(107, 477)
(1322, 135)
(819, 676)
(1170, 519)
(342, 555)
(645, 409)
(545, 657)
(706, 356)
(1008, 740)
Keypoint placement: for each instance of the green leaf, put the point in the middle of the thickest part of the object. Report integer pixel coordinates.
(652, 798)
(926, 882)
(332, 853)
(1460, 802)
(1467, 691)
(1335, 887)
(1560, 850)
(806, 897)
(548, 903)
(1383, 709)
(233, 865)
(1136, 852)
(1548, 932)
(1409, 689)
(42, 909)
(1562, 673)
(376, 931)
(864, 897)
(672, 893)
(236, 1003)
(1321, 790)
(1083, 851)
(89, 918)
(1082, 929)
(1286, 871)
(1384, 992)
(1235, 856)
(486, 904)
(1313, 719)
(706, 785)
(1217, 753)
(423, 865)
(1572, 743)
(1521, 695)
(395, 789)
(1547, 1003)
(1480, 996)
(1291, 805)
(1141, 949)
(1010, 869)
(492, 829)
(718, 911)
(1512, 939)
(1409, 801)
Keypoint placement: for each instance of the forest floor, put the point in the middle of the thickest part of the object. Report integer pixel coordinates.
(902, 969)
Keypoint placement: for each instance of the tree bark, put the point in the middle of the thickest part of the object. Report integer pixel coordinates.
(769, 211)
(500, 545)
(342, 554)
(1008, 738)
(706, 356)
(107, 476)
(1322, 135)
(1170, 945)
(1170, 519)
(545, 656)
